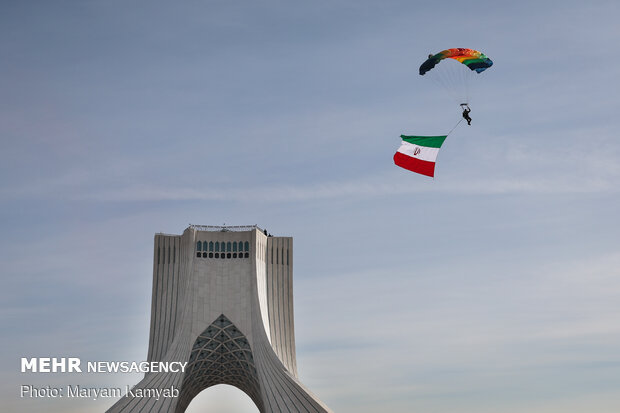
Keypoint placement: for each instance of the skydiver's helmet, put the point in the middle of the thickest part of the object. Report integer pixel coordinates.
(430, 55)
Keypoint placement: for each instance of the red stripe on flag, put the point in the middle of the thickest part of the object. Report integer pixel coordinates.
(414, 164)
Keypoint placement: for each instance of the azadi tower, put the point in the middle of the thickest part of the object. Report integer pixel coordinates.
(223, 302)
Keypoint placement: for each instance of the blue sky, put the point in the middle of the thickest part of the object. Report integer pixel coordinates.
(494, 287)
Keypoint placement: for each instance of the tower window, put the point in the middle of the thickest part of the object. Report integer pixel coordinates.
(210, 246)
(247, 246)
(217, 247)
(228, 246)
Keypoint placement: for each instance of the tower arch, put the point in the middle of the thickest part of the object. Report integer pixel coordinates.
(222, 398)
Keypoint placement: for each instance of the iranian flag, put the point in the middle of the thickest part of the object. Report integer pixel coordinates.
(418, 153)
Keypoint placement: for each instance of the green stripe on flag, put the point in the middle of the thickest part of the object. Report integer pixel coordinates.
(428, 141)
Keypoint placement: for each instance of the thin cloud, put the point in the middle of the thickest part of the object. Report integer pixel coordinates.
(353, 188)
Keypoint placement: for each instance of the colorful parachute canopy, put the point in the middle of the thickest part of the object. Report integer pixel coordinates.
(473, 59)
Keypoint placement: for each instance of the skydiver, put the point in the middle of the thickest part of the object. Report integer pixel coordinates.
(466, 111)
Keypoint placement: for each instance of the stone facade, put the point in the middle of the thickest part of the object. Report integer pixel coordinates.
(223, 301)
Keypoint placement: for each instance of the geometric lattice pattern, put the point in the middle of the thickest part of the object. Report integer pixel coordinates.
(221, 355)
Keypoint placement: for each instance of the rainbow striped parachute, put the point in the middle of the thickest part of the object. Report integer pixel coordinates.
(475, 60)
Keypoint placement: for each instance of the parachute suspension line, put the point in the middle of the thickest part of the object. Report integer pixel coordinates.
(451, 77)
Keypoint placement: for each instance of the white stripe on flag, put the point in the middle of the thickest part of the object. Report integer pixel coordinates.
(423, 153)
